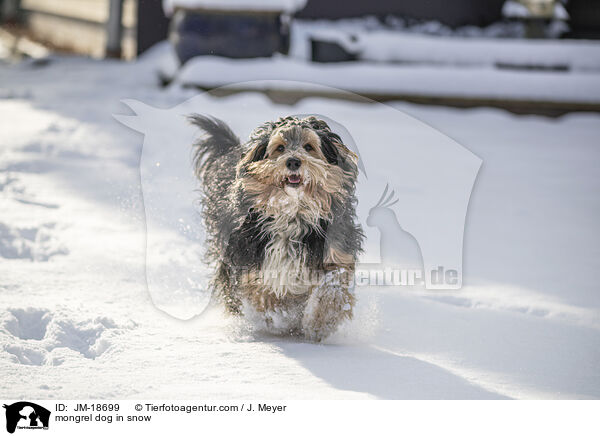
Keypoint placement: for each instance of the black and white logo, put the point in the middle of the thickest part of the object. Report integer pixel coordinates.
(26, 415)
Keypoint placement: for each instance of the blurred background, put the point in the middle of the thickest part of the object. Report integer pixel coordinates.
(459, 53)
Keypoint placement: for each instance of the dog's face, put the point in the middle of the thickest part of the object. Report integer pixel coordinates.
(297, 158)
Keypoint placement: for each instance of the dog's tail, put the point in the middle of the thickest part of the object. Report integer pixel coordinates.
(215, 156)
(217, 142)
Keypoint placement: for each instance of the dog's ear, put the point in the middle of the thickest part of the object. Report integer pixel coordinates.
(259, 138)
(330, 141)
(329, 147)
(257, 153)
(256, 147)
(332, 146)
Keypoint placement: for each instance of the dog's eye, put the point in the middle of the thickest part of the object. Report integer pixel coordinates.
(280, 149)
(308, 147)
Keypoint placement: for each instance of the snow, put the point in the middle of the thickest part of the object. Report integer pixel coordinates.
(384, 79)
(77, 319)
(393, 46)
(252, 5)
(516, 9)
(406, 63)
(560, 12)
(394, 42)
(40, 337)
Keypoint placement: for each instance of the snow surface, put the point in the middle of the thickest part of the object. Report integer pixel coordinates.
(383, 45)
(386, 79)
(76, 319)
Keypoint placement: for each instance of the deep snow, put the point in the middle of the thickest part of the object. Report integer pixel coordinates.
(77, 320)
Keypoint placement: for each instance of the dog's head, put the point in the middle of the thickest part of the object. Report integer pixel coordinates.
(299, 158)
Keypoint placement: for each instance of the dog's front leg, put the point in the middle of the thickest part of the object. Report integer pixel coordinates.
(329, 303)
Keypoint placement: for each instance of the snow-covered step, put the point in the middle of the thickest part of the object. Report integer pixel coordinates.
(385, 46)
(388, 81)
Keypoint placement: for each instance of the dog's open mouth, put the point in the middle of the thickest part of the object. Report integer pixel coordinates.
(293, 180)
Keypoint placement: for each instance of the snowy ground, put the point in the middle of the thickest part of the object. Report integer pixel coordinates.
(76, 319)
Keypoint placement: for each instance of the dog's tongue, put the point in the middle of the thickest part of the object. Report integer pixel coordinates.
(294, 178)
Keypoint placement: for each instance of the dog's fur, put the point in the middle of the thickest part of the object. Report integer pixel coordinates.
(284, 238)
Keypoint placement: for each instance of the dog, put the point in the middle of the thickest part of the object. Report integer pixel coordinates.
(281, 224)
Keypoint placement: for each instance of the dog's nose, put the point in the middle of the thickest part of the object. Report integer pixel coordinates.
(293, 164)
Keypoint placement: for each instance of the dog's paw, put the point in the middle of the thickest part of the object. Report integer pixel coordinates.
(329, 304)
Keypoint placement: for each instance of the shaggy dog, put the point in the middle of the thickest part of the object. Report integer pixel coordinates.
(281, 222)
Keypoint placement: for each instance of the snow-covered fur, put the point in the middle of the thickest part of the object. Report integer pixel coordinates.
(281, 221)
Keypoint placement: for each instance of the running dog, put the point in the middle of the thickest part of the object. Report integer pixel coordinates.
(280, 217)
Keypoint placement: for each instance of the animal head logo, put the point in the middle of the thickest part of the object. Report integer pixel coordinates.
(381, 213)
(420, 216)
(26, 415)
(398, 249)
